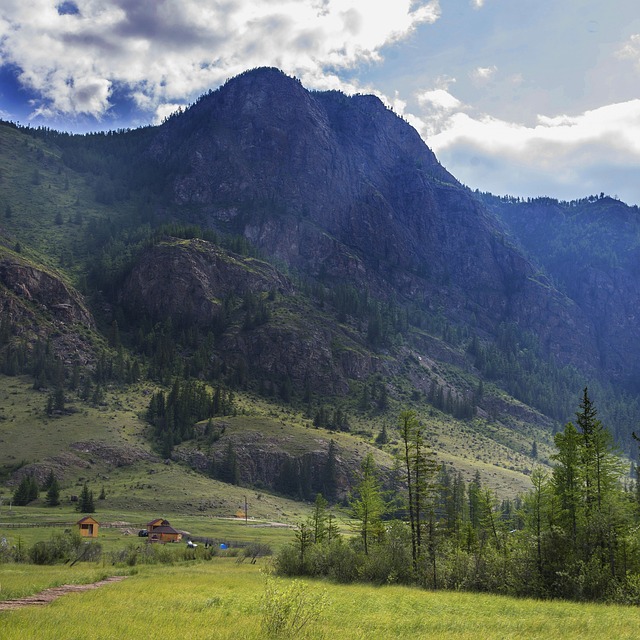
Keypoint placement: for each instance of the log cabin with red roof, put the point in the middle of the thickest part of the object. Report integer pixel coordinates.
(159, 530)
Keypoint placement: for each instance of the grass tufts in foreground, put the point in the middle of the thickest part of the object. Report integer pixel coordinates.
(224, 600)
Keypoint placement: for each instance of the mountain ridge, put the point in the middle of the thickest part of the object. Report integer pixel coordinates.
(310, 248)
(377, 200)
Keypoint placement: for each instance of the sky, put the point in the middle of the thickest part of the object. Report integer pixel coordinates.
(520, 97)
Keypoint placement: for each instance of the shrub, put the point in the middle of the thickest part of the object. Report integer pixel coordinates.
(287, 608)
(287, 562)
(253, 551)
(143, 554)
(336, 559)
(62, 548)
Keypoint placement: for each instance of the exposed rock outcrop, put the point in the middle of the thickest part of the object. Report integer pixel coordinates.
(188, 281)
(195, 283)
(39, 305)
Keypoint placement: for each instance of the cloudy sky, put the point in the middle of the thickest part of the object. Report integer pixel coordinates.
(521, 97)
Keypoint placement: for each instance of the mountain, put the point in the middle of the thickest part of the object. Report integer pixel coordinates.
(590, 249)
(341, 187)
(308, 247)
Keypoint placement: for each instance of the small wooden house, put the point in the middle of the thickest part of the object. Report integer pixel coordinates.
(159, 530)
(88, 527)
(158, 522)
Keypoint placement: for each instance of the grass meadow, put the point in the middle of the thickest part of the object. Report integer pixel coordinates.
(222, 599)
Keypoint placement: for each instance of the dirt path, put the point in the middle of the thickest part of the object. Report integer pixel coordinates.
(48, 595)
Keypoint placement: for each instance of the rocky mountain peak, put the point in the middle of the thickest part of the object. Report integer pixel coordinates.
(341, 186)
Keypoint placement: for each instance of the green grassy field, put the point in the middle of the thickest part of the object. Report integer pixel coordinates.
(222, 599)
(120, 529)
(75, 445)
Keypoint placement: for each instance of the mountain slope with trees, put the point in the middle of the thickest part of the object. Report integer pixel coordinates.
(309, 248)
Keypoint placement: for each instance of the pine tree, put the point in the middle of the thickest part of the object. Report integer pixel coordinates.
(318, 519)
(601, 471)
(330, 473)
(367, 504)
(419, 469)
(566, 479)
(26, 491)
(53, 493)
(383, 436)
(229, 470)
(86, 504)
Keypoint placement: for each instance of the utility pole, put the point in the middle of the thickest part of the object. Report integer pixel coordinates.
(246, 517)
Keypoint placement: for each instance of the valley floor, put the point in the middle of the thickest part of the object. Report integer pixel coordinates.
(223, 599)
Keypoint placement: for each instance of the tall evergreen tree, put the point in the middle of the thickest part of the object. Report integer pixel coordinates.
(419, 468)
(86, 503)
(330, 473)
(566, 479)
(367, 504)
(26, 492)
(53, 493)
(318, 521)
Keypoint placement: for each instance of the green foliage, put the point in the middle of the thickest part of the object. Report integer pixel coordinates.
(27, 491)
(174, 414)
(330, 473)
(367, 504)
(383, 437)
(228, 470)
(85, 502)
(338, 420)
(572, 536)
(53, 492)
(289, 609)
(418, 474)
(134, 554)
(63, 548)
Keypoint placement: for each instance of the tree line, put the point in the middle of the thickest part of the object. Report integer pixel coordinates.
(572, 536)
(174, 414)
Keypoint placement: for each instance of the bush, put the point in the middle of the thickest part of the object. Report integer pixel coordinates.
(143, 554)
(253, 551)
(287, 608)
(337, 560)
(590, 580)
(60, 548)
(287, 562)
(627, 591)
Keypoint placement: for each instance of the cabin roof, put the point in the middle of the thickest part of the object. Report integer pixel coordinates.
(165, 529)
(157, 521)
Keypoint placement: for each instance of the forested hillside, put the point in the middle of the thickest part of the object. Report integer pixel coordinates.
(309, 249)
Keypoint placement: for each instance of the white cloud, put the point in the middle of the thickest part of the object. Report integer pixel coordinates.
(439, 99)
(477, 4)
(169, 51)
(437, 107)
(631, 49)
(616, 126)
(483, 74)
(166, 109)
(567, 156)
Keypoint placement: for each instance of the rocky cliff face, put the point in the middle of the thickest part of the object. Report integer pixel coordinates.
(341, 186)
(38, 304)
(196, 283)
(188, 280)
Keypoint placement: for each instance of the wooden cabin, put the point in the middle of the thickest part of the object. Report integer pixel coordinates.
(159, 530)
(158, 522)
(88, 527)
